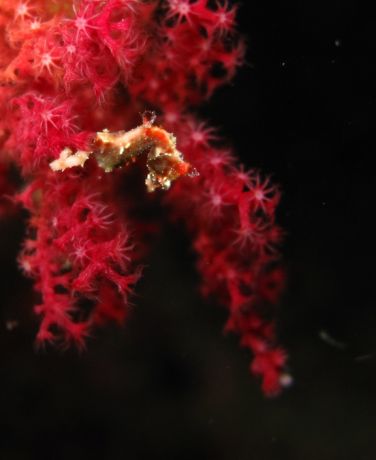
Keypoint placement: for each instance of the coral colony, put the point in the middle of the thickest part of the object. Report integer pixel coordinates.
(74, 79)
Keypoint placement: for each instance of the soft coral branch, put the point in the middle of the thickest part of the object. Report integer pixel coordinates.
(75, 252)
(230, 214)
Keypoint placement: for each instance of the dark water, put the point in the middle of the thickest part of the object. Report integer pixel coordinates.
(170, 385)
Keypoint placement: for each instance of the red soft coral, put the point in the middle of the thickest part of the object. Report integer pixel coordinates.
(81, 249)
(69, 71)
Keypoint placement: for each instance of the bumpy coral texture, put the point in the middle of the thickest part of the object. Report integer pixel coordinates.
(69, 70)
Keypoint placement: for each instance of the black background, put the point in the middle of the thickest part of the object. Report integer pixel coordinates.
(169, 385)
